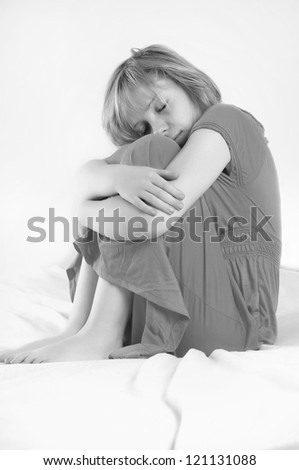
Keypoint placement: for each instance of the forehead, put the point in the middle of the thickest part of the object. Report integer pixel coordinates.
(141, 95)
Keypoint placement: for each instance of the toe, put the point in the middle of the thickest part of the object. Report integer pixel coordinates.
(18, 358)
(7, 360)
(38, 360)
(4, 355)
(30, 358)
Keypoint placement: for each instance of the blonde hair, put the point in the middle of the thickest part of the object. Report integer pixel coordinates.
(145, 65)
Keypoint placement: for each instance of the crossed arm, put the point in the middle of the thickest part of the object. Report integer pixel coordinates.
(199, 163)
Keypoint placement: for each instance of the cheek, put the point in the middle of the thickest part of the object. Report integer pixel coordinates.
(183, 116)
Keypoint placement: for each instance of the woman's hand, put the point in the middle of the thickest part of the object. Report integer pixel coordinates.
(147, 188)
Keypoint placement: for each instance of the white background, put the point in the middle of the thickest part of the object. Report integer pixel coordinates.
(56, 57)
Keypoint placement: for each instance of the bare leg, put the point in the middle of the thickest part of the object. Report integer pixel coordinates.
(79, 313)
(102, 333)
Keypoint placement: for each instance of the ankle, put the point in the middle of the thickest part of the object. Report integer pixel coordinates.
(70, 330)
(106, 338)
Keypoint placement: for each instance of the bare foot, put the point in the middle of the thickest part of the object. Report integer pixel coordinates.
(7, 354)
(80, 347)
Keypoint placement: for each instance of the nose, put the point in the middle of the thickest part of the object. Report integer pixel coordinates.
(159, 127)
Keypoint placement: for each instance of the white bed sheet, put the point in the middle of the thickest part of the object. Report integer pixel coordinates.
(230, 400)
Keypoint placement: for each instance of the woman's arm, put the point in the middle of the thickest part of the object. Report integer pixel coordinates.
(95, 180)
(143, 186)
(199, 163)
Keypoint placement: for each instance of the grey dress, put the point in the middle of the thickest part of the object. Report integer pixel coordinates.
(217, 286)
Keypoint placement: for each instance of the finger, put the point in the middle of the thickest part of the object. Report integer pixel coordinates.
(165, 196)
(168, 187)
(140, 204)
(168, 206)
(167, 174)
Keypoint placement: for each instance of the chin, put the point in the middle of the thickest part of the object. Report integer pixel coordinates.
(182, 142)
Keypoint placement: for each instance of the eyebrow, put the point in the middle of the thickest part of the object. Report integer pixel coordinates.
(153, 99)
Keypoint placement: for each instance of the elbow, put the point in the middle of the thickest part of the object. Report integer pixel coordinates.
(125, 227)
(133, 229)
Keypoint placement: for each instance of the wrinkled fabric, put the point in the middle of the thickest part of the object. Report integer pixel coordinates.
(221, 292)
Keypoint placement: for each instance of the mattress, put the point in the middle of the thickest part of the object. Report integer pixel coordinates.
(229, 400)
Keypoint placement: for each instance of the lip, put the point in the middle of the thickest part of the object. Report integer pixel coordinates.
(175, 138)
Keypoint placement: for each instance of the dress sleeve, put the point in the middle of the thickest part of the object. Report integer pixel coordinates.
(244, 136)
(118, 156)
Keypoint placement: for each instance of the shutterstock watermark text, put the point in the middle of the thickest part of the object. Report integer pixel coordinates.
(141, 228)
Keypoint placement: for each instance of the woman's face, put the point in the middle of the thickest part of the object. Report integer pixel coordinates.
(166, 110)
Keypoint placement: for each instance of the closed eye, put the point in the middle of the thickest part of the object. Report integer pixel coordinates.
(161, 109)
(143, 130)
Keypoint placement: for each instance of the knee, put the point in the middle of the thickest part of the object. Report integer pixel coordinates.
(153, 150)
